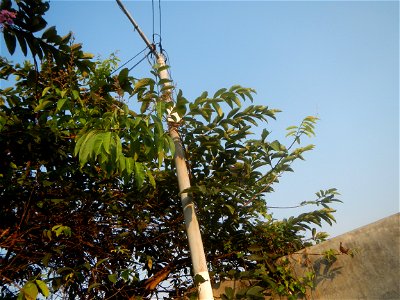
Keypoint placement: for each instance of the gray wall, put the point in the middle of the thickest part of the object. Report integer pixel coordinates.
(373, 272)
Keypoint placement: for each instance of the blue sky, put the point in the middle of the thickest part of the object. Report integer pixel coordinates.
(338, 60)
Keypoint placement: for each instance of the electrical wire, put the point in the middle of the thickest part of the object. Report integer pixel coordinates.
(159, 43)
(160, 21)
(135, 65)
(152, 12)
(129, 60)
(154, 25)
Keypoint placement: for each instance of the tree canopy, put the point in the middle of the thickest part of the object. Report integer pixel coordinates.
(89, 200)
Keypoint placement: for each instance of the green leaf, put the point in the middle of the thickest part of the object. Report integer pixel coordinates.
(117, 146)
(61, 229)
(87, 55)
(232, 113)
(43, 287)
(314, 233)
(255, 248)
(65, 39)
(230, 208)
(43, 105)
(255, 257)
(160, 108)
(291, 128)
(79, 143)
(127, 164)
(75, 94)
(256, 292)
(151, 178)
(198, 279)
(275, 145)
(217, 108)
(139, 174)
(145, 105)
(60, 103)
(50, 33)
(101, 261)
(10, 41)
(143, 82)
(170, 144)
(123, 75)
(22, 44)
(219, 92)
(76, 47)
(46, 258)
(97, 144)
(180, 106)
(45, 90)
(201, 98)
(162, 68)
(94, 285)
(38, 23)
(167, 87)
(113, 278)
(125, 274)
(85, 147)
(107, 139)
(30, 291)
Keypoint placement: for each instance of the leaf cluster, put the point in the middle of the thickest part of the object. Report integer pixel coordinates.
(89, 199)
(29, 22)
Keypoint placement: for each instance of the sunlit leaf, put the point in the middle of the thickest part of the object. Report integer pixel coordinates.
(30, 291)
(113, 278)
(43, 287)
(43, 105)
(139, 174)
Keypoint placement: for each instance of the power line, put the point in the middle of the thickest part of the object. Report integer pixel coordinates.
(160, 21)
(152, 46)
(142, 35)
(129, 60)
(135, 65)
(159, 34)
(152, 13)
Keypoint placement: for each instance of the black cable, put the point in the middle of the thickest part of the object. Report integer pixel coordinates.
(129, 61)
(135, 65)
(165, 53)
(159, 11)
(152, 11)
(160, 24)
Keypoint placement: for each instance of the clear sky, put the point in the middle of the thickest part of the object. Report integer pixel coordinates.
(338, 60)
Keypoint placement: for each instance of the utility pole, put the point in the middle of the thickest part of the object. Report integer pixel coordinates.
(192, 226)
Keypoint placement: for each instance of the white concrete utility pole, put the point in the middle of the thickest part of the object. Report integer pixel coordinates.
(192, 226)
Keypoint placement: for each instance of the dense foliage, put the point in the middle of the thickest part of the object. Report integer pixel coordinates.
(89, 202)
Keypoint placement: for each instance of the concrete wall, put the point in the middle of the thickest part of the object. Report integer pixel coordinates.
(372, 272)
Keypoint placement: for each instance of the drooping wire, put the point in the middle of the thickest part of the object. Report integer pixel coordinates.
(129, 60)
(143, 58)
